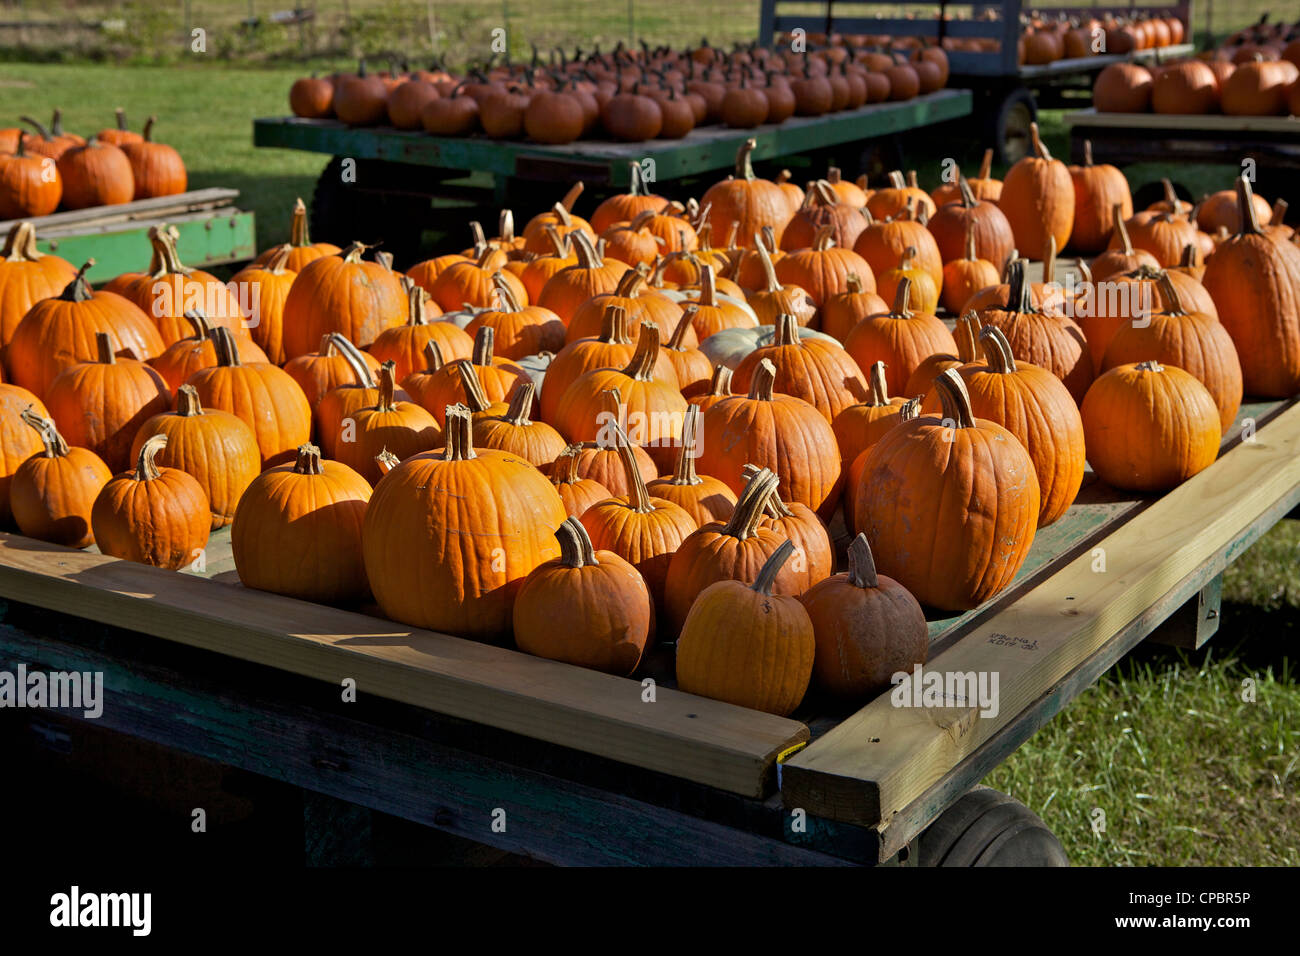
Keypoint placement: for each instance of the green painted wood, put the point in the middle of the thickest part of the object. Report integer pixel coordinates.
(205, 241)
(702, 150)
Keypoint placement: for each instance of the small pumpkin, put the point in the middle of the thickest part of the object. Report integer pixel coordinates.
(186, 356)
(842, 311)
(404, 344)
(823, 270)
(30, 184)
(520, 330)
(513, 431)
(772, 298)
(965, 276)
(156, 168)
(819, 372)
(400, 427)
(52, 492)
(320, 372)
(577, 493)
(901, 338)
(1121, 256)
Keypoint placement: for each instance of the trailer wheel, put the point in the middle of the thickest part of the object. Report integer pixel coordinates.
(1010, 132)
(364, 211)
(988, 828)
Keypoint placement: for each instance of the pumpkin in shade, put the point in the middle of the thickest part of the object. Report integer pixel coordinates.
(27, 276)
(964, 276)
(318, 373)
(402, 428)
(964, 331)
(268, 288)
(703, 497)
(1186, 88)
(822, 207)
(624, 207)
(154, 515)
(18, 441)
(775, 431)
(1038, 198)
(643, 530)
(844, 310)
(1255, 284)
(772, 298)
(267, 399)
(59, 332)
(213, 446)
(1032, 404)
(867, 627)
(713, 313)
(1042, 335)
(1121, 256)
(301, 249)
(1258, 88)
(571, 287)
(360, 98)
(1193, 341)
(513, 431)
(1149, 427)
(534, 273)
(29, 185)
(823, 270)
(183, 358)
(901, 338)
(1160, 233)
(100, 405)
(560, 217)
(744, 199)
(691, 367)
(520, 329)
(819, 372)
(743, 645)
(885, 243)
(577, 493)
(605, 600)
(1222, 210)
(404, 344)
(52, 492)
(435, 390)
(407, 101)
(949, 503)
(1101, 199)
(602, 461)
(341, 293)
(156, 168)
(312, 509)
(450, 535)
(1122, 88)
(948, 226)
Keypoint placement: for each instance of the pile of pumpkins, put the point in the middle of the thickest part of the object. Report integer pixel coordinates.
(44, 169)
(624, 95)
(593, 433)
(1246, 80)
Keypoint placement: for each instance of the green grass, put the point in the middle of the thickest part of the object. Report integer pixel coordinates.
(1185, 771)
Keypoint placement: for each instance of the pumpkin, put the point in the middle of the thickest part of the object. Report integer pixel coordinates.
(95, 174)
(59, 332)
(217, 449)
(814, 555)
(1255, 284)
(571, 287)
(1122, 88)
(1121, 256)
(624, 207)
(402, 428)
(519, 330)
(948, 226)
(1175, 206)
(267, 399)
(407, 101)
(771, 298)
(703, 497)
(605, 597)
(746, 269)
(1222, 210)
(52, 142)
(744, 645)
(30, 185)
(18, 441)
(602, 461)
(436, 388)
(100, 405)
(515, 432)
(949, 503)
(860, 426)
(822, 207)
(866, 626)
(1032, 404)
(51, 494)
(311, 97)
(1043, 335)
(714, 313)
(775, 431)
(823, 270)
(183, 358)
(1160, 233)
(893, 200)
(848, 192)
(26, 277)
(312, 509)
(1149, 427)
(301, 249)
(341, 293)
(1038, 198)
(450, 535)
(1101, 198)
(404, 344)
(844, 310)
(744, 199)
(611, 348)
(719, 388)
(819, 372)
(318, 373)
(577, 493)
(641, 303)
(982, 185)
(156, 168)
(965, 276)
(1258, 88)
(964, 331)
(884, 245)
(901, 338)
(267, 290)
(561, 218)
(153, 515)
(1187, 88)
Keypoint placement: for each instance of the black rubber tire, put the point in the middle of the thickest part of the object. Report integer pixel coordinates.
(342, 213)
(1010, 130)
(988, 828)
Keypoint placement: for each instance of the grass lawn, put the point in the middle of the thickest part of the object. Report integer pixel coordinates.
(1185, 771)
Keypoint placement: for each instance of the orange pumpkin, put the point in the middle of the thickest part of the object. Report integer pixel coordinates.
(747, 200)
(520, 330)
(513, 431)
(52, 492)
(576, 492)
(1101, 198)
(1121, 256)
(823, 270)
(901, 338)
(186, 356)
(318, 373)
(1038, 198)
(436, 388)
(404, 344)
(267, 288)
(26, 277)
(571, 287)
(703, 497)
(341, 293)
(300, 247)
(993, 238)
(819, 372)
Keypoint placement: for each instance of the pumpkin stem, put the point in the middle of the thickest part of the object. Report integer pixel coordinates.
(638, 181)
(1173, 303)
(1018, 297)
(642, 366)
(910, 409)
(386, 461)
(1280, 207)
(576, 550)
(458, 435)
(744, 160)
(55, 446)
(146, 132)
(787, 330)
(1246, 209)
(955, 399)
(682, 327)
(613, 326)
(685, 474)
(896, 180)
(763, 382)
(862, 566)
(1191, 257)
(278, 263)
(387, 387)
(833, 174)
(1049, 261)
(708, 288)
(970, 239)
(483, 342)
(521, 403)
(78, 290)
(308, 461)
(565, 469)
(506, 227)
(120, 114)
(164, 247)
(964, 333)
(560, 244)
(629, 287)
(1171, 195)
(41, 131)
(772, 567)
(1087, 152)
(199, 322)
(104, 349)
(720, 381)
(759, 486)
(572, 196)
(986, 166)
(187, 402)
(505, 297)
(1121, 230)
(903, 295)
(361, 373)
(475, 397)
(146, 468)
(968, 199)
(1150, 366)
(588, 257)
(769, 271)
(997, 350)
(823, 239)
(432, 357)
(877, 392)
(638, 497)
(853, 283)
(299, 235)
(20, 244)
(775, 506)
(417, 311)
(1039, 149)
(353, 252)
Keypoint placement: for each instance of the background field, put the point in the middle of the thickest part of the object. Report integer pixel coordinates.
(1185, 772)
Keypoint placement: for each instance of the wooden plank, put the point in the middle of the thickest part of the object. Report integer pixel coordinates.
(395, 772)
(728, 747)
(874, 764)
(1285, 125)
(1196, 621)
(160, 207)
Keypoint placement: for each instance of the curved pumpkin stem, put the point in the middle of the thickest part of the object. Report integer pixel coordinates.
(744, 160)
(744, 521)
(299, 234)
(572, 195)
(78, 290)
(965, 332)
(773, 284)
(565, 469)
(1246, 209)
(199, 322)
(862, 566)
(997, 350)
(775, 506)
(521, 403)
(559, 244)
(187, 402)
(986, 166)
(146, 467)
(386, 461)
(719, 382)
(55, 446)
(20, 244)
(763, 382)
(823, 239)
(968, 199)
(458, 435)
(432, 357)
(853, 283)
(1169, 291)
(417, 309)
(361, 373)
(1018, 296)
(576, 550)
(1149, 366)
(685, 471)
(638, 497)
(1191, 257)
(613, 326)
(164, 247)
(955, 399)
(308, 461)
(588, 257)
(877, 392)
(1039, 149)
(642, 366)
(772, 567)
(475, 397)
(506, 301)
(902, 298)
(1049, 261)
(708, 288)
(1121, 230)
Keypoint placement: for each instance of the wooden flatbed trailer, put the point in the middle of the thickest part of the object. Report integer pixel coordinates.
(574, 767)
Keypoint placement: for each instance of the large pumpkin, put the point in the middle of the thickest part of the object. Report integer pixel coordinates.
(26, 277)
(341, 293)
(51, 494)
(823, 270)
(95, 174)
(318, 373)
(450, 535)
(156, 168)
(1038, 198)
(821, 373)
(186, 356)
(901, 338)
(571, 287)
(435, 388)
(1101, 198)
(949, 503)
(884, 245)
(520, 330)
(993, 238)
(402, 428)
(751, 202)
